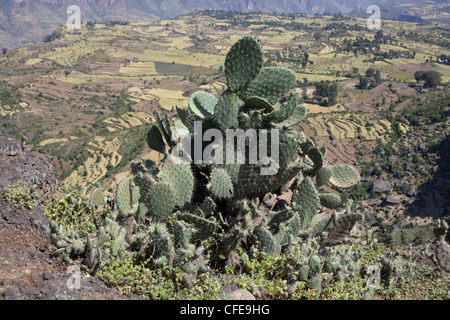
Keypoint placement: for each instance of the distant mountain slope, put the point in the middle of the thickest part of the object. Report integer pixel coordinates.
(427, 11)
(27, 21)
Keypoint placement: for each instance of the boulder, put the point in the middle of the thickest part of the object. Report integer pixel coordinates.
(380, 186)
(241, 294)
(392, 200)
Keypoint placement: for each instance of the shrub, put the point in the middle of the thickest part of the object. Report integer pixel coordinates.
(20, 196)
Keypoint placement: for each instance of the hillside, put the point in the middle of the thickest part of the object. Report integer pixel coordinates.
(374, 100)
(101, 85)
(29, 21)
(427, 12)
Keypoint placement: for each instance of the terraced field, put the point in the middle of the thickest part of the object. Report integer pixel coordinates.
(102, 154)
(349, 126)
(104, 82)
(127, 121)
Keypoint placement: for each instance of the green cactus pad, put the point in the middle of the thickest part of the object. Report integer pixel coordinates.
(135, 194)
(164, 127)
(205, 228)
(344, 176)
(243, 62)
(155, 140)
(253, 120)
(271, 84)
(323, 151)
(187, 118)
(323, 176)
(308, 201)
(266, 240)
(284, 111)
(118, 244)
(279, 217)
(162, 201)
(96, 198)
(298, 115)
(202, 104)
(208, 206)
(123, 196)
(227, 110)
(330, 200)
(317, 158)
(258, 103)
(315, 264)
(287, 148)
(181, 178)
(232, 240)
(220, 184)
(181, 129)
(315, 283)
(183, 233)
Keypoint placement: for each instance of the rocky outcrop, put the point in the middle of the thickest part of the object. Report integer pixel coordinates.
(9, 146)
(380, 186)
(27, 270)
(18, 165)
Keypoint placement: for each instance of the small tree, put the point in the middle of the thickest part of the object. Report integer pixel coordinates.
(432, 78)
(4, 50)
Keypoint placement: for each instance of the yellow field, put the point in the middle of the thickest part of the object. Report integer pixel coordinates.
(30, 62)
(315, 108)
(68, 56)
(94, 168)
(129, 120)
(51, 141)
(350, 126)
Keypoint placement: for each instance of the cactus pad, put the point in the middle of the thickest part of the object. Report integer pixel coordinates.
(243, 62)
(344, 176)
(162, 200)
(203, 104)
(220, 184)
(271, 83)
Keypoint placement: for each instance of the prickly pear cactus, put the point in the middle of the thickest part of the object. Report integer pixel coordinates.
(179, 207)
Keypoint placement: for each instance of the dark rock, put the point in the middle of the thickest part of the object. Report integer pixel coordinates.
(46, 288)
(11, 293)
(380, 186)
(17, 283)
(48, 275)
(30, 291)
(332, 137)
(411, 193)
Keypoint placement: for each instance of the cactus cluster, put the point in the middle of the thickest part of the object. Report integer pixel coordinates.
(316, 265)
(169, 211)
